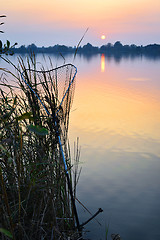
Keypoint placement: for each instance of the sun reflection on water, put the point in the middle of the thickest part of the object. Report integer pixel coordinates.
(102, 63)
(118, 113)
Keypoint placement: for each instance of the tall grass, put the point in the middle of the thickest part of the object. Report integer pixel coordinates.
(35, 201)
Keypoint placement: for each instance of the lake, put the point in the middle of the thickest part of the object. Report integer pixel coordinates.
(117, 118)
(116, 115)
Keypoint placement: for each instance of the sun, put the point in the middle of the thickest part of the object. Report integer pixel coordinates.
(103, 37)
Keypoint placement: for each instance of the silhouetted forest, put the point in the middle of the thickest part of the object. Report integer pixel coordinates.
(152, 50)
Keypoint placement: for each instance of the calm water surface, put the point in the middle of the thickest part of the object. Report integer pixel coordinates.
(117, 118)
(116, 115)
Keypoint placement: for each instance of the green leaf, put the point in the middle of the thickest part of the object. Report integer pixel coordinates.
(6, 232)
(26, 115)
(38, 130)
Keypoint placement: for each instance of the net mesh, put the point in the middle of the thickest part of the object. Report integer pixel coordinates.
(55, 90)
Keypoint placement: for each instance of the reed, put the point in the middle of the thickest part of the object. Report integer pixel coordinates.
(35, 200)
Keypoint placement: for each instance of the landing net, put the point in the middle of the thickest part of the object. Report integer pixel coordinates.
(55, 90)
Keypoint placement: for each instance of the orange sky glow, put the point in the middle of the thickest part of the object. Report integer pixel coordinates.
(118, 20)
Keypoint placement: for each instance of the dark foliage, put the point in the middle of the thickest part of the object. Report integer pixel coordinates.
(152, 50)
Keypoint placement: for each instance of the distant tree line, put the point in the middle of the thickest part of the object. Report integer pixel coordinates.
(89, 49)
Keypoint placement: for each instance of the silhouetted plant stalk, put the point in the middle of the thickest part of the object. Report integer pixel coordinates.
(35, 201)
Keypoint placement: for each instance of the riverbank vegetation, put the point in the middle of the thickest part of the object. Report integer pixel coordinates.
(35, 198)
(6, 48)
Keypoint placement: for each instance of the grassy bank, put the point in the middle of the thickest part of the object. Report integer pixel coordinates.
(35, 198)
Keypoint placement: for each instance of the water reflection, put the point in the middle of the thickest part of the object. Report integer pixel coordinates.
(117, 118)
(102, 63)
(116, 115)
(112, 104)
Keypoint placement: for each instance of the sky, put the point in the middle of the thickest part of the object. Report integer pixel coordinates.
(50, 22)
